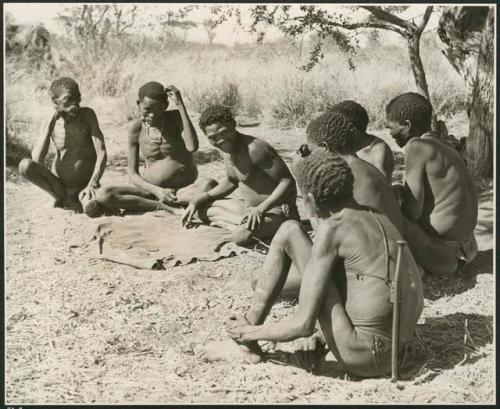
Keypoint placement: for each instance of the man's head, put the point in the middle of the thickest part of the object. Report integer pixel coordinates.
(408, 115)
(219, 126)
(334, 131)
(325, 181)
(66, 96)
(152, 102)
(354, 111)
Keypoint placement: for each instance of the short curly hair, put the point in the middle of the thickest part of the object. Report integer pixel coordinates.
(334, 129)
(412, 107)
(354, 111)
(214, 114)
(326, 176)
(64, 84)
(153, 90)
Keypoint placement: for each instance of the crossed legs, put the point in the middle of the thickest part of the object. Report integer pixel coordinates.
(42, 177)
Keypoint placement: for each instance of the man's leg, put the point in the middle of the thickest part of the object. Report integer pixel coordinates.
(116, 197)
(43, 178)
(433, 255)
(186, 194)
(290, 245)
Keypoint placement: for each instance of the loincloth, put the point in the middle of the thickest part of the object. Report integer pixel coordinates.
(411, 355)
(465, 249)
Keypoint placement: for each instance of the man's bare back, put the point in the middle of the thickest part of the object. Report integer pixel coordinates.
(439, 199)
(450, 200)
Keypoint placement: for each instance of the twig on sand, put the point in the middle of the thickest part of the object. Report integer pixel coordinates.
(466, 327)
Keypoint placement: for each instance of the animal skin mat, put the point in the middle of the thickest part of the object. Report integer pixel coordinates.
(156, 241)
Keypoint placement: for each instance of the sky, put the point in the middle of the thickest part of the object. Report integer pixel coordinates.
(228, 33)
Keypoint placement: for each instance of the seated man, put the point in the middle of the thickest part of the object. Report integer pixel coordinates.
(355, 318)
(368, 147)
(167, 140)
(80, 150)
(439, 199)
(266, 184)
(335, 132)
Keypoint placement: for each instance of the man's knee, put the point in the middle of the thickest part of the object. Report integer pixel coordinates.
(106, 195)
(26, 167)
(287, 230)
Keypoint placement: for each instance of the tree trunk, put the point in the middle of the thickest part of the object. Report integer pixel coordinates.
(467, 34)
(480, 140)
(419, 73)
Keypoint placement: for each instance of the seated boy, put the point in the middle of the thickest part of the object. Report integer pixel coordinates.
(80, 151)
(368, 147)
(439, 199)
(266, 184)
(167, 140)
(356, 316)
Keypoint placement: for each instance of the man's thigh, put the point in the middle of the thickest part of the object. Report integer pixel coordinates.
(433, 254)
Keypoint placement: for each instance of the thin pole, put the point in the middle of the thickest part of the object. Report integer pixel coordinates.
(395, 313)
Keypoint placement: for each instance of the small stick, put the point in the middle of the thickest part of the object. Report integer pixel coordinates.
(395, 314)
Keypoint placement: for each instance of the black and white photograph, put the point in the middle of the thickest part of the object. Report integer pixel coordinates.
(249, 203)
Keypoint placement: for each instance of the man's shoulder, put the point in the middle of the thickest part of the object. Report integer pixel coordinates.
(257, 146)
(421, 147)
(135, 127)
(88, 114)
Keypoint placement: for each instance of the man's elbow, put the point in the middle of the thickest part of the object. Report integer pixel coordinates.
(192, 148)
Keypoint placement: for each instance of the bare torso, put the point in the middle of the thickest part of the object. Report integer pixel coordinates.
(254, 185)
(367, 297)
(371, 189)
(450, 200)
(75, 152)
(168, 164)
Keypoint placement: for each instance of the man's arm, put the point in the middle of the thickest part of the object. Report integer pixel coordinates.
(188, 132)
(100, 148)
(42, 144)
(224, 188)
(383, 159)
(416, 157)
(268, 160)
(316, 278)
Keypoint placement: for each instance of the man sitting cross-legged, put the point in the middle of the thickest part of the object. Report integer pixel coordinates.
(439, 199)
(167, 140)
(356, 316)
(265, 183)
(368, 147)
(80, 157)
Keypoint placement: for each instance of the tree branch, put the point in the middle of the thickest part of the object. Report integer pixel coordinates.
(425, 19)
(390, 18)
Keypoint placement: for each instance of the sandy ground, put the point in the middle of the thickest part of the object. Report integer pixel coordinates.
(81, 331)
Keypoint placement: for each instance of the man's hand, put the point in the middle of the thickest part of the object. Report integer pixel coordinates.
(174, 95)
(239, 329)
(192, 208)
(87, 194)
(253, 218)
(310, 353)
(166, 196)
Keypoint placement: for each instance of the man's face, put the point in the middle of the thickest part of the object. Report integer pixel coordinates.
(152, 110)
(400, 132)
(221, 135)
(67, 103)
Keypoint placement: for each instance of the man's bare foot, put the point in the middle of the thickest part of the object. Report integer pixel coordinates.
(227, 350)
